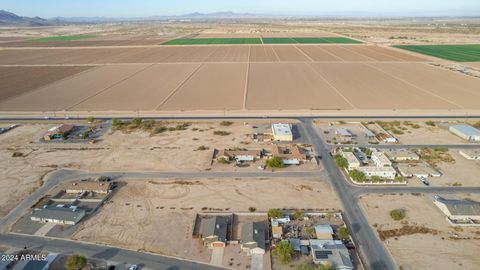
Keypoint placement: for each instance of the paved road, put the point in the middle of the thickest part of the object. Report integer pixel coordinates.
(412, 146)
(374, 253)
(100, 252)
(241, 117)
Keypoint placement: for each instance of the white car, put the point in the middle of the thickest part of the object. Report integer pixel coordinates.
(133, 267)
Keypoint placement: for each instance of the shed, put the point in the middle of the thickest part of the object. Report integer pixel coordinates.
(466, 132)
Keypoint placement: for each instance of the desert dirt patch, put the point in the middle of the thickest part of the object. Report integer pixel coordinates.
(138, 150)
(139, 207)
(423, 231)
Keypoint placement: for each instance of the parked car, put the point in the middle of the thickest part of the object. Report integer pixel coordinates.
(133, 267)
(424, 181)
(111, 267)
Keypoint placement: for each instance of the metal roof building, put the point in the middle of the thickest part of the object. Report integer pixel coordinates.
(58, 215)
(466, 132)
(459, 211)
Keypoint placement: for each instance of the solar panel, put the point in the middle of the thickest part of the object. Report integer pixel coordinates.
(322, 254)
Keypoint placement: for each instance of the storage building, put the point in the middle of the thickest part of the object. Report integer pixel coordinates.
(282, 132)
(466, 132)
(64, 216)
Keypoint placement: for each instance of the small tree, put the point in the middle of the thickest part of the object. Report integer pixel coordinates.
(340, 161)
(310, 232)
(76, 262)
(275, 213)
(398, 214)
(90, 119)
(357, 176)
(376, 179)
(342, 233)
(275, 162)
(284, 252)
(297, 214)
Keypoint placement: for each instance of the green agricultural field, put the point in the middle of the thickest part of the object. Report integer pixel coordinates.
(459, 53)
(310, 40)
(279, 40)
(212, 41)
(63, 38)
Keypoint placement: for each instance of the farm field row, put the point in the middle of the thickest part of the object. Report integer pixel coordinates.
(264, 40)
(197, 54)
(252, 86)
(459, 53)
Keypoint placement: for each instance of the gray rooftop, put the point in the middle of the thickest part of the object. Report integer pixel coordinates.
(337, 254)
(216, 226)
(254, 232)
(58, 213)
(466, 130)
(461, 207)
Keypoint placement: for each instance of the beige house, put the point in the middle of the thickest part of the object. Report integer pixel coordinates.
(459, 212)
(89, 186)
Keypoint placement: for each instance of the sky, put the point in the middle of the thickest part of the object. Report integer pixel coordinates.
(142, 8)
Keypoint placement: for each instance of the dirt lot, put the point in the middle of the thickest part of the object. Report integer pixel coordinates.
(462, 171)
(168, 151)
(140, 207)
(439, 248)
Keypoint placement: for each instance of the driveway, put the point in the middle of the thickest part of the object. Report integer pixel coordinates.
(217, 256)
(257, 262)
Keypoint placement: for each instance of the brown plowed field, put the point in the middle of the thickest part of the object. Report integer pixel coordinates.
(368, 88)
(84, 43)
(318, 54)
(67, 93)
(290, 54)
(143, 91)
(373, 54)
(189, 54)
(290, 86)
(263, 54)
(457, 88)
(344, 53)
(15, 81)
(212, 87)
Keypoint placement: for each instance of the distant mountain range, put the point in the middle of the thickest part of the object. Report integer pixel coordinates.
(8, 18)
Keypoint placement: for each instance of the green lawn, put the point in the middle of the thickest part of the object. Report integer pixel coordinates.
(63, 38)
(459, 53)
(212, 41)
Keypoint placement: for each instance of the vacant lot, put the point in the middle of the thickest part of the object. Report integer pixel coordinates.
(140, 207)
(116, 151)
(15, 81)
(459, 53)
(438, 247)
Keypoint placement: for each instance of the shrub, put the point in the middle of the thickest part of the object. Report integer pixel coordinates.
(357, 176)
(275, 162)
(159, 130)
(116, 122)
(222, 160)
(102, 178)
(283, 251)
(398, 214)
(340, 161)
(477, 125)
(252, 209)
(202, 148)
(221, 133)
(342, 233)
(430, 123)
(275, 213)
(137, 121)
(226, 123)
(75, 262)
(376, 179)
(90, 119)
(297, 214)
